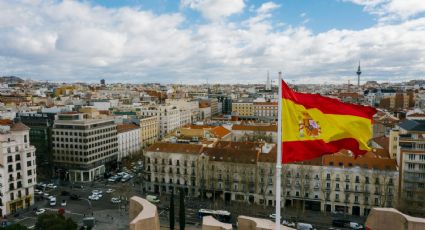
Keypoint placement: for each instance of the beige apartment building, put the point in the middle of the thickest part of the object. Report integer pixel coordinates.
(149, 130)
(243, 109)
(245, 172)
(266, 110)
(18, 174)
(83, 149)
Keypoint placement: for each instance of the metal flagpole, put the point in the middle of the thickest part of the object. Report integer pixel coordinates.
(279, 154)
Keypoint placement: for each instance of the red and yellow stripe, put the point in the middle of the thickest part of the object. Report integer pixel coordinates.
(313, 125)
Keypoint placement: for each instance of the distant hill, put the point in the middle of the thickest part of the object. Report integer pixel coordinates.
(11, 79)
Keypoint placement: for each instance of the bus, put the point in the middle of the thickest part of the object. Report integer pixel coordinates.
(220, 215)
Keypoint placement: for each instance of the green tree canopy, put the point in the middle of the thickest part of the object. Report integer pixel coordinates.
(15, 227)
(53, 221)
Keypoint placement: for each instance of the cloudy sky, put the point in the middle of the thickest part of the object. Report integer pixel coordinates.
(222, 41)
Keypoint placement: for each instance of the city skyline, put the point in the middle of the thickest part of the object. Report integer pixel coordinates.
(192, 41)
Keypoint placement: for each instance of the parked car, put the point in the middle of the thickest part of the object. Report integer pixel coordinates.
(273, 216)
(63, 204)
(40, 211)
(110, 190)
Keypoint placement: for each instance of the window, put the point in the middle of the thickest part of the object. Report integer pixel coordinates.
(367, 180)
(422, 157)
(25, 139)
(9, 159)
(412, 156)
(410, 166)
(28, 164)
(17, 157)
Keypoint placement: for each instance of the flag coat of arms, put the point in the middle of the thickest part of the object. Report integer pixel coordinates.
(314, 125)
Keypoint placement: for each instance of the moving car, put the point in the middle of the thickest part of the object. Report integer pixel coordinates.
(52, 201)
(354, 225)
(40, 211)
(52, 186)
(63, 204)
(110, 190)
(115, 200)
(94, 197)
(273, 216)
(288, 223)
(304, 226)
(65, 193)
(74, 197)
(152, 198)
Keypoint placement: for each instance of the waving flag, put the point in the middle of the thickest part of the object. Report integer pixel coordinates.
(313, 125)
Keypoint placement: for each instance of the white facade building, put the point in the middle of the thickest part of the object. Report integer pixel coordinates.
(18, 174)
(128, 140)
(168, 115)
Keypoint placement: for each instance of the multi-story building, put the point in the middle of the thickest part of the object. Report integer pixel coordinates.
(243, 109)
(83, 149)
(168, 115)
(149, 130)
(214, 106)
(245, 171)
(128, 140)
(266, 110)
(40, 135)
(169, 166)
(409, 139)
(226, 102)
(204, 110)
(18, 174)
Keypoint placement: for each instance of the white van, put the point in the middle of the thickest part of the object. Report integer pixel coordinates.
(152, 199)
(52, 201)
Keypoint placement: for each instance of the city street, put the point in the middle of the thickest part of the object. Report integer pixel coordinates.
(111, 216)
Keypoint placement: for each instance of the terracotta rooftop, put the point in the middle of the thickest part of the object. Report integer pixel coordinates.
(175, 148)
(263, 128)
(349, 94)
(417, 115)
(243, 156)
(6, 122)
(121, 128)
(371, 160)
(19, 127)
(266, 103)
(220, 131)
(383, 141)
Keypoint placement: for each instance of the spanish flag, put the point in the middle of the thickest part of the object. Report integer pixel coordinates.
(313, 125)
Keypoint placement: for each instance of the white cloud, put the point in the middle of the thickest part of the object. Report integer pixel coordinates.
(267, 7)
(392, 10)
(78, 41)
(215, 9)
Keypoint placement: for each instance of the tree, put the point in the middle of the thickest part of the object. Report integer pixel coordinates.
(15, 227)
(172, 210)
(52, 221)
(182, 217)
